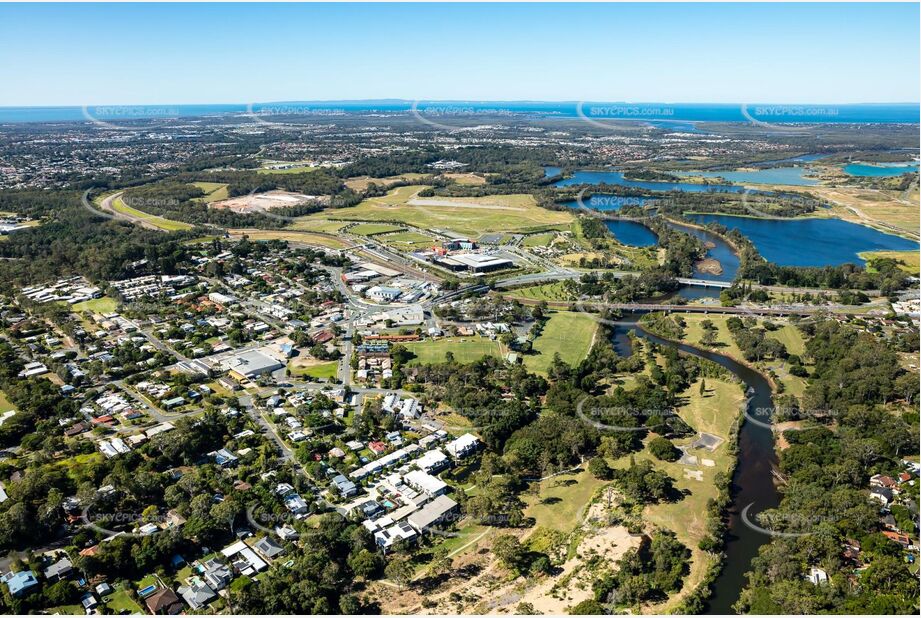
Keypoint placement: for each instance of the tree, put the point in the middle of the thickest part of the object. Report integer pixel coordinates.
(400, 571)
(600, 469)
(662, 448)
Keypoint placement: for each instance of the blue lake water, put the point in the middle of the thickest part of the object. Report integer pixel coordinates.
(617, 178)
(610, 203)
(771, 175)
(632, 234)
(879, 170)
(810, 242)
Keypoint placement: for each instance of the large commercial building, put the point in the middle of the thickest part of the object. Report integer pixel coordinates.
(474, 262)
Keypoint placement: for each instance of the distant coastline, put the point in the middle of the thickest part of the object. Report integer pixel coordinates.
(682, 112)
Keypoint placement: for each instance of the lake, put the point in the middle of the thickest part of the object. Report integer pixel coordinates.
(879, 169)
(610, 203)
(617, 178)
(772, 175)
(632, 234)
(810, 242)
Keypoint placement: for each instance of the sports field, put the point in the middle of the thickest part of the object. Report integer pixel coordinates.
(97, 305)
(464, 215)
(567, 333)
(372, 229)
(465, 350)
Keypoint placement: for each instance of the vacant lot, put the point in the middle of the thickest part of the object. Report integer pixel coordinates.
(262, 202)
(888, 211)
(469, 216)
(569, 334)
(546, 291)
(465, 350)
(408, 241)
(97, 305)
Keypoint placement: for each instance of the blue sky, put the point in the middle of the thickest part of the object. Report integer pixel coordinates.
(237, 53)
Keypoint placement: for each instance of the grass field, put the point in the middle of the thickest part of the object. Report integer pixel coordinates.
(97, 305)
(881, 209)
(467, 178)
(561, 500)
(318, 225)
(539, 240)
(120, 602)
(787, 334)
(408, 241)
(5, 404)
(713, 412)
(320, 371)
(465, 349)
(292, 236)
(372, 229)
(360, 183)
(470, 216)
(164, 224)
(546, 291)
(569, 334)
(214, 191)
(911, 259)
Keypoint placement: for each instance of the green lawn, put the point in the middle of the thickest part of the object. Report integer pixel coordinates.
(370, 229)
(408, 241)
(119, 601)
(464, 215)
(561, 500)
(911, 259)
(465, 349)
(97, 305)
(214, 191)
(323, 370)
(539, 240)
(567, 333)
(547, 291)
(5, 405)
(164, 224)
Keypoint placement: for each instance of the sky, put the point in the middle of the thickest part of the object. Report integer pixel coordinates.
(133, 54)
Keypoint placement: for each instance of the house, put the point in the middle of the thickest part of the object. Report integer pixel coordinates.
(817, 576)
(175, 402)
(217, 574)
(432, 514)
(881, 494)
(344, 486)
(20, 583)
(224, 458)
(89, 601)
(401, 531)
(898, 537)
(463, 446)
(432, 461)
(286, 532)
(59, 570)
(296, 504)
(164, 602)
(104, 589)
(197, 595)
(268, 548)
(431, 486)
(244, 559)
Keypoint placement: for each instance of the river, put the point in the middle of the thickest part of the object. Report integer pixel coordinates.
(752, 481)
